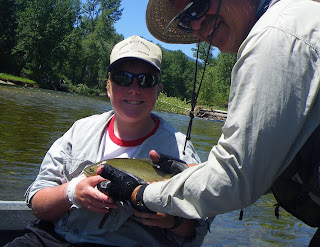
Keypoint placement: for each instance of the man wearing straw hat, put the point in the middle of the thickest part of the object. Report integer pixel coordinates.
(268, 139)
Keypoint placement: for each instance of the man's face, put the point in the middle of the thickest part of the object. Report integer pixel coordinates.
(235, 19)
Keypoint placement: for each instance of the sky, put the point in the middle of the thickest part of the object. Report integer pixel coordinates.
(133, 22)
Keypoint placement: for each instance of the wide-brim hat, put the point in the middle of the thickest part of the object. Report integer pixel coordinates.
(159, 13)
(137, 48)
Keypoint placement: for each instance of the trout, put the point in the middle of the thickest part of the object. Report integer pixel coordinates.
(142, 168)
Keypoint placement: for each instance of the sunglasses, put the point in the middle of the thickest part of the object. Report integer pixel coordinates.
(193, 11)
(125, 79)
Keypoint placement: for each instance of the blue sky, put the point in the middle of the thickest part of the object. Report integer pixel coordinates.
(133, 22)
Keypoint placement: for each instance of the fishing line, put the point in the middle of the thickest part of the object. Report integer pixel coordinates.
(195, 95)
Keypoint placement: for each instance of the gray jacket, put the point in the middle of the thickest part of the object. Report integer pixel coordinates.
(82, 145)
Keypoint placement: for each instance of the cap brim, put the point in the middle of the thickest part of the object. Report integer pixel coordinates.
(111, 66)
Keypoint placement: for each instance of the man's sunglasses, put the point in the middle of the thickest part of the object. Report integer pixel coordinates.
(125, 79)
(193, 11)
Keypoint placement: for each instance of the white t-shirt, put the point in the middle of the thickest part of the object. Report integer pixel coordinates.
(115, 147)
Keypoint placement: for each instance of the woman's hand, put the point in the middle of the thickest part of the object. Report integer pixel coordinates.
(159, 219)
(91, 198)
(166, 221)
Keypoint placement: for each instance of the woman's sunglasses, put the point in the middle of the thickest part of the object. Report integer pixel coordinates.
(125, 79)
(193, 11)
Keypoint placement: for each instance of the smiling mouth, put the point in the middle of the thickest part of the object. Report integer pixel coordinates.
(131, 102)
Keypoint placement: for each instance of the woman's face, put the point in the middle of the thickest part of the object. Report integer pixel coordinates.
(235, 20)
(133, 103)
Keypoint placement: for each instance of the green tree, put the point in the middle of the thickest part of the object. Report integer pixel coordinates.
(42, 28)
(62, 40)
(98, 39)
(203, 52)
(177, 74)
(216, 85)
(7, 35)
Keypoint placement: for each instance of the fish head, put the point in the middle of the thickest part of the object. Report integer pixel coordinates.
(91, 170)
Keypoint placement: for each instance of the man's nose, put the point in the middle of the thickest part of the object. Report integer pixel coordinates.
(196, 24)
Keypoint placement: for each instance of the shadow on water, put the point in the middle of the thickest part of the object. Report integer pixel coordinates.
(32, 119)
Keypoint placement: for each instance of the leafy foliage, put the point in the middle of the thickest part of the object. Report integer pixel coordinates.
(172, 104)
(7, 34)
(42, 26)
(203, 52)
(216, 84)
(176, 76)
(58, 38)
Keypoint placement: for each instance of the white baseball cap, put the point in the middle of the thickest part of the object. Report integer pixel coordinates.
(136, 47)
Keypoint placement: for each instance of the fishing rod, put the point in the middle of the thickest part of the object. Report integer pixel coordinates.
(194, 94)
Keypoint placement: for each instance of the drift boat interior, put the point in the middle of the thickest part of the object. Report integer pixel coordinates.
(14, 216)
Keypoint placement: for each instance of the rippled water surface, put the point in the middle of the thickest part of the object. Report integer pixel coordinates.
(32, 119)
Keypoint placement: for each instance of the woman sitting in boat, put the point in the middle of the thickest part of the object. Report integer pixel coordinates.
(63, 195)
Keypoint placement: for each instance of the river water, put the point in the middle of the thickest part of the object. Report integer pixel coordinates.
(32, 119)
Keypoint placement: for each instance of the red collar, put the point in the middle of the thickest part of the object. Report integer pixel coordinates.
(132, 143)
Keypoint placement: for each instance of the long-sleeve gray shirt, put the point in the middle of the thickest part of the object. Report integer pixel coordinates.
(274, 107)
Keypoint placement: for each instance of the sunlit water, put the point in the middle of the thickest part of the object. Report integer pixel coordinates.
(32, 119)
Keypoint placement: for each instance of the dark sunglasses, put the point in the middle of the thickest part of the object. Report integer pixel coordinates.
(193, 11)
(125, 79)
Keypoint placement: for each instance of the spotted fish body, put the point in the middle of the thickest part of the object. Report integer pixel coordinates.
(142, 168)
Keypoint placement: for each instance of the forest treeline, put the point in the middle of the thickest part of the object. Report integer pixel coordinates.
(63, 44)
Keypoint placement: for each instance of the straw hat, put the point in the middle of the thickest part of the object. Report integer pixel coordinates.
(159, 13)
(136, 47)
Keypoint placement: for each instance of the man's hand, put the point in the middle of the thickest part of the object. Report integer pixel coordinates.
(121, 183)
(167, 163)
(124, 186)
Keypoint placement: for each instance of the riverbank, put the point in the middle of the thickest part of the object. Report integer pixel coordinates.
(7, 79)
(164, 103)
(212, 114)
(6, 83)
